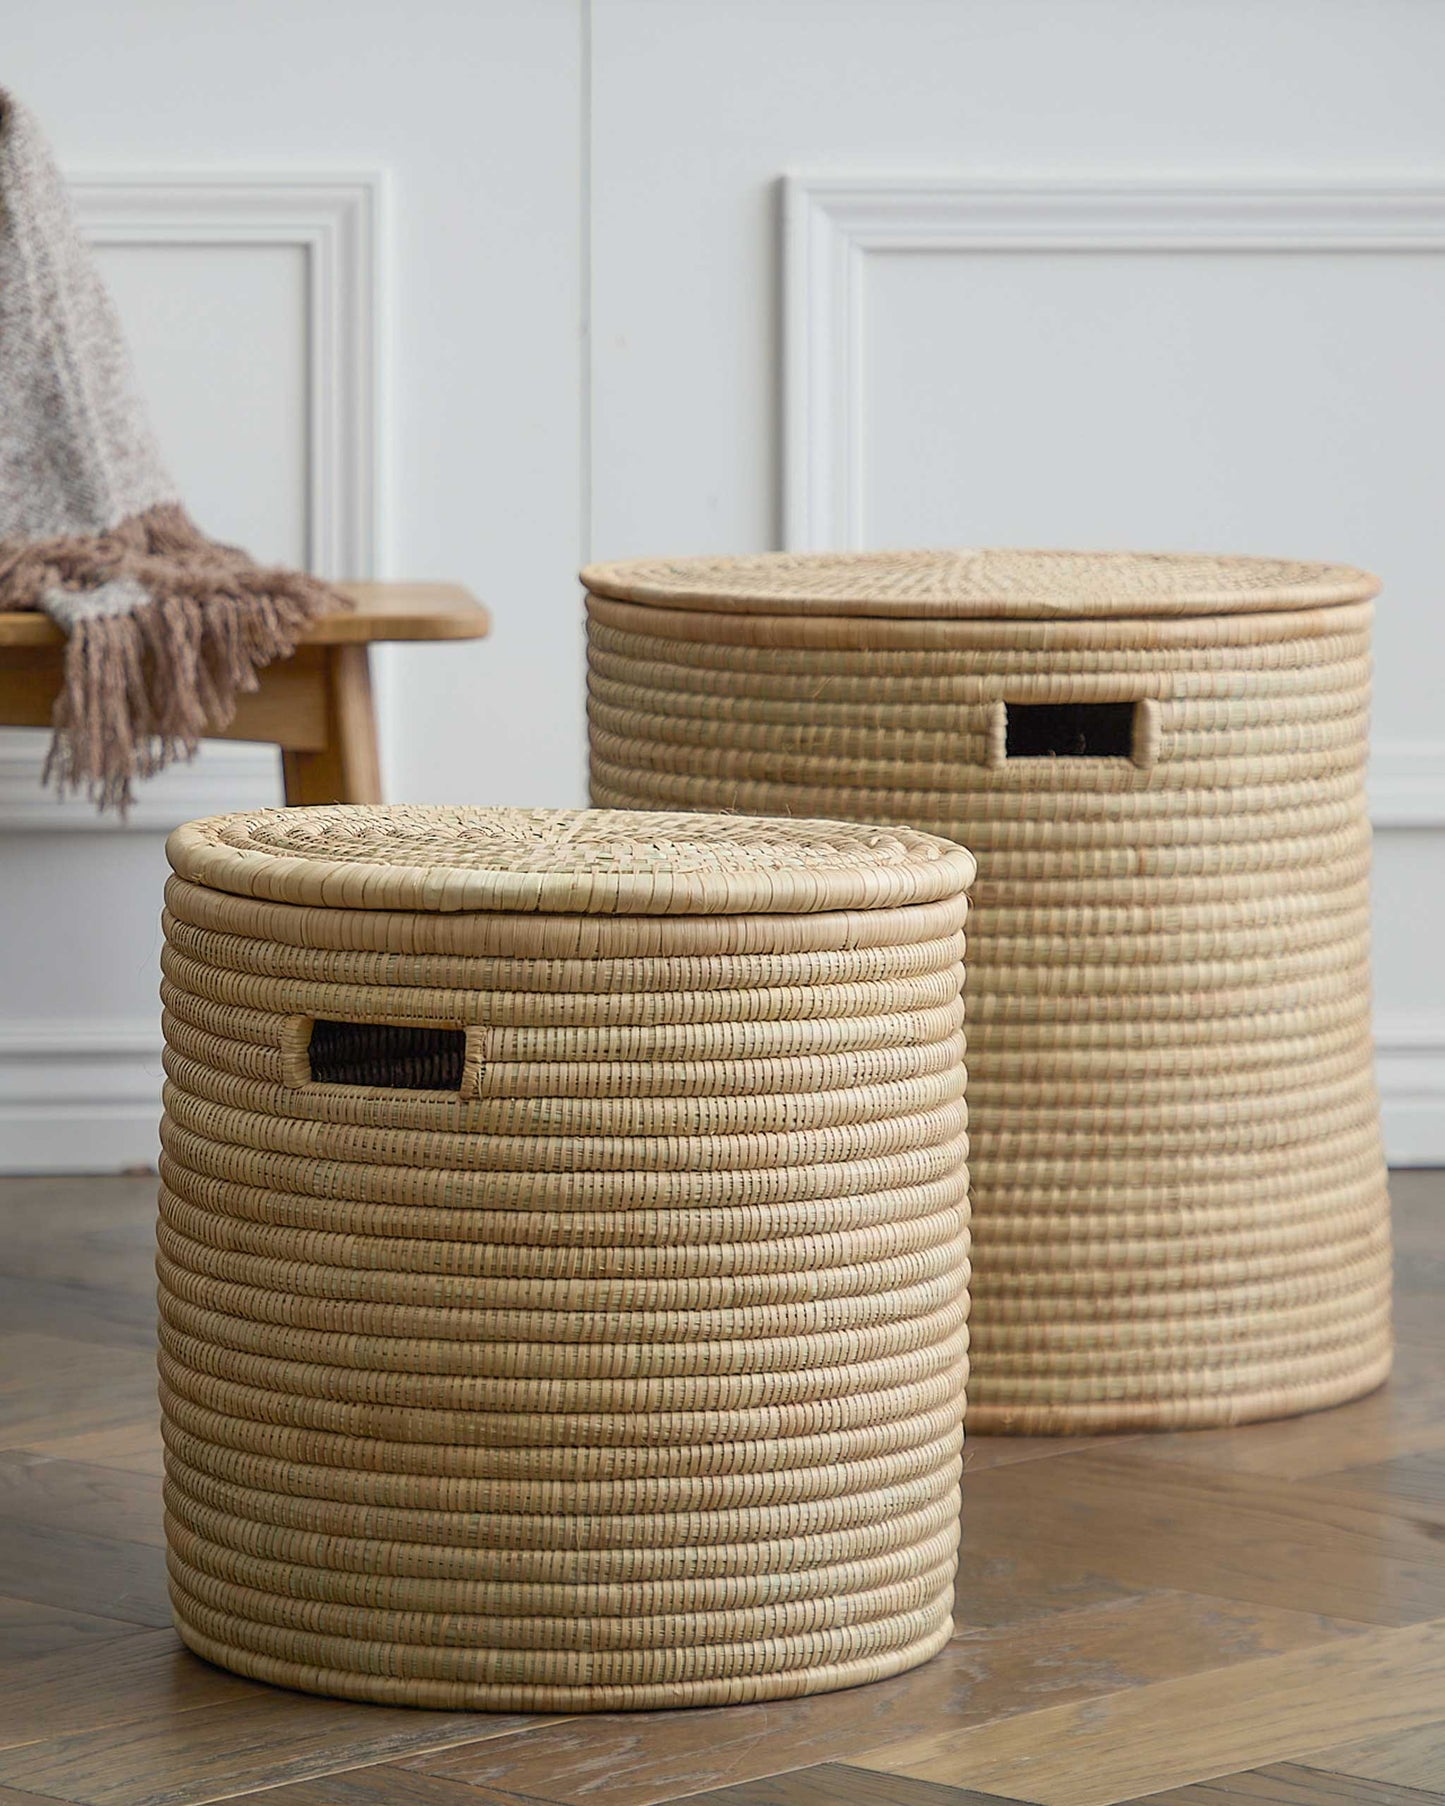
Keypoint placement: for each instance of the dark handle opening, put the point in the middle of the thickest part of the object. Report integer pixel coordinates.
(1069, 730)
(397, 1056)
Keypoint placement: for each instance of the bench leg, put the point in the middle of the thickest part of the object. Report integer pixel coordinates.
(346, 769)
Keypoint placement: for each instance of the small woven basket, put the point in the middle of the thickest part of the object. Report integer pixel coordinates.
(563, 1253)
(1180, 1214)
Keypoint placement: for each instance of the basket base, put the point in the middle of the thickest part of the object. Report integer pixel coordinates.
(1214, 1412)
(462, 1696)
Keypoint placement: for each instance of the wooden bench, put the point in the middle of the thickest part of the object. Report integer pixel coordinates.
(316, 705)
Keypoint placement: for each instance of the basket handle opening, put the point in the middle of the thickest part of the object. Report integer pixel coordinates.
(392, 1056)
(1118, 728)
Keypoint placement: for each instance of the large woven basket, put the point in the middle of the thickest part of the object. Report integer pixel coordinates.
(1180, 1214)
(563, 1253)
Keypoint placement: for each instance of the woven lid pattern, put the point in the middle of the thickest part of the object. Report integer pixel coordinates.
(575, 861)
(980, 584)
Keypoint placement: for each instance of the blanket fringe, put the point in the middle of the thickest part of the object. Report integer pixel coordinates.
(144, 686)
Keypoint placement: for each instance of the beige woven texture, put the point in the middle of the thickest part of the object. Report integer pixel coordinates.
(1180, 1215)
(623, 1364)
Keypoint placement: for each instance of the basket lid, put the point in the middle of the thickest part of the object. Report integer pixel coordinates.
(981, 584)
(564, 861)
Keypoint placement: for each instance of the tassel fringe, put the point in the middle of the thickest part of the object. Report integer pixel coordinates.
(144, 686)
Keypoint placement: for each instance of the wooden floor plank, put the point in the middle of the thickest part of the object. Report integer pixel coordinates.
(149, 1675)
(77, 1260)
(29, 1631)
(132, 1448)
(211, 1752)
(79, 1496)
(105, 1575)
(838, 1784)
(83, 1314)
(634, 1759)
(48, 1215)
(93, 1234)
(53, 1384)
(1287, 1784)
(1133, 1743)
(1413, 1758)
(1015, 1581)
(1123, 1516)
(984, 1452)
(381, 1784)
(1417, 1481)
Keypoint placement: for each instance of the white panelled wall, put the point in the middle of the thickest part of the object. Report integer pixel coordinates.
(481, 288)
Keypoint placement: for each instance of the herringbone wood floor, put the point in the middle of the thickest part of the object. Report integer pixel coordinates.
(1248, 1615)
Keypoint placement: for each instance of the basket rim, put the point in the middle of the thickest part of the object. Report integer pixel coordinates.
(981, 583)
(438, 859)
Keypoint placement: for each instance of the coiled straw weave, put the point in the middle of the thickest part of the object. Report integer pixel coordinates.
(563, 1253)
(1179, 1201)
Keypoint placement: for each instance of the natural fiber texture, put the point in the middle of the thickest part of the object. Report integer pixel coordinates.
(624, 1364)
(979, 584)
(564, 861)
(165, 626)
(1179, 1198)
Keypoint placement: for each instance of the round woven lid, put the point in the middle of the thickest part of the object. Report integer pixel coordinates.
(564, 861)
(981, 585)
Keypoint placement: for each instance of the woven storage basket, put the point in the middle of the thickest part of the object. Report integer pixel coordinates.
(563, 1253)
(1179, 1200)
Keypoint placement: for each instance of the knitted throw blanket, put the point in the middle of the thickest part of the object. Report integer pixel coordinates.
(165, 626)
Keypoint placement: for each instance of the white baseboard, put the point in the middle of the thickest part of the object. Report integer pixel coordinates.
(1407, 784)
(1410, 1061)
(79, 1097)
(84, 1097)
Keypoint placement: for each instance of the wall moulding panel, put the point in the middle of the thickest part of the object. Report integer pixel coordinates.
(899, 289)
(336, 221)
(834, 224)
